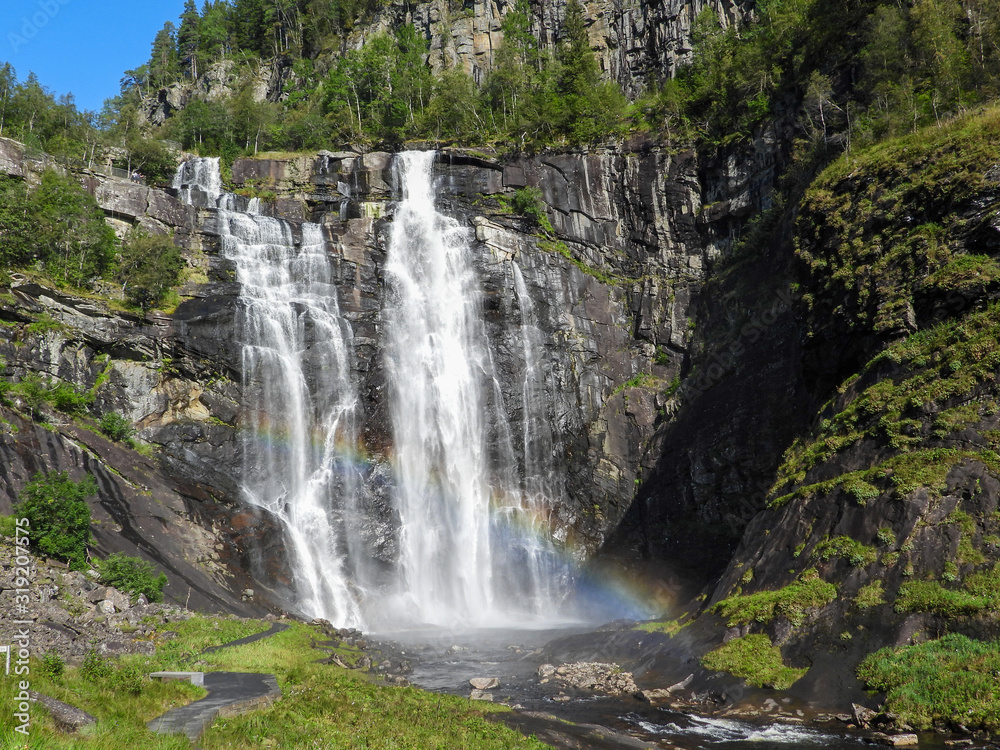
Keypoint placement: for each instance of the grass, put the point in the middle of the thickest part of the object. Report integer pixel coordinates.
(755, 659)
(321, 706)
(791, 602)
(857, 236)
(668, 627)
(947, 681)
(641, 380)
(870, 595)
(562, 249)
(979, 595)
(857, 554)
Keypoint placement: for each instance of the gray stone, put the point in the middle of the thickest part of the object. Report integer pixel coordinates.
(484, 683)
(862, 716)
(68, 718)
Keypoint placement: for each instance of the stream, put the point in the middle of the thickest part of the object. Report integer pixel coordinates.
(446, 661)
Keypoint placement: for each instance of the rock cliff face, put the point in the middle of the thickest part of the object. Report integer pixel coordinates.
(635, 43)
(613, 289)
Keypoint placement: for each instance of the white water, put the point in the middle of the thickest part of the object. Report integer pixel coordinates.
(299, 400)
(473, 489)
(472, 548)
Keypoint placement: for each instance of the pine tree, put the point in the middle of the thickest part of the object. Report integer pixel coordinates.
(187, 38)
(163, 64)
(579, 72)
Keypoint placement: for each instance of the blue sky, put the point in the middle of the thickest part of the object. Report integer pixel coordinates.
(81, 46)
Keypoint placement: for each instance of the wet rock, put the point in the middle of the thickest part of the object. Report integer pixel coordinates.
(484, 683)
(863, 717)
(598, 677)
(900, 740)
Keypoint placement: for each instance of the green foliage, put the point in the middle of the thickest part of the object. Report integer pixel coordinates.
(68, 399)
(931, 596)
(529, 203)
(96, 668)
(129, 678)
(53, 665)
(132, 575)
(950, 681)
(857, 554)
(755, 659)
(151, 159)
(75, 244)
(791, 602)
(148, 266)
(116, 427)
(870, 595)
(32, 392)
(44, 324)
(16, 224)
(58, 515)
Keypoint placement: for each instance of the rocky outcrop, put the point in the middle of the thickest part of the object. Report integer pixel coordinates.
(634, 42)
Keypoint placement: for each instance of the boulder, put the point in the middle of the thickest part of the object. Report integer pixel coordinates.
(67, 718)
(484, 683)
(862, 716)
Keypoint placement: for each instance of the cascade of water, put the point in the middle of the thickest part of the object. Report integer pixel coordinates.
(464, 555)
(473, 491)
(299, 400)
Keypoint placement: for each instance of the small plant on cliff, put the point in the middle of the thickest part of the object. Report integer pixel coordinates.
(756, 660)
(132, 575)
(791, 602)
(58, 516)
(528, 202)
(117, 427)
(870, 596)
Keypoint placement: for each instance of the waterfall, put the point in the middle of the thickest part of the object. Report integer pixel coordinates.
(299, 401)
(472, 543)
(473, 488)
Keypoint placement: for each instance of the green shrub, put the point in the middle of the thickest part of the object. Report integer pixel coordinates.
(67, 399)
(59, 517)
(132, 575)
(148, 266)
(528, 202)
(129, 678)
(756, 660)
(950, 680)
(96, 668)
(116, 427)
(53, 664)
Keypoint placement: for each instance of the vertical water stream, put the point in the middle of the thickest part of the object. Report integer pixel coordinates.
(299, 401)
(473, 545)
